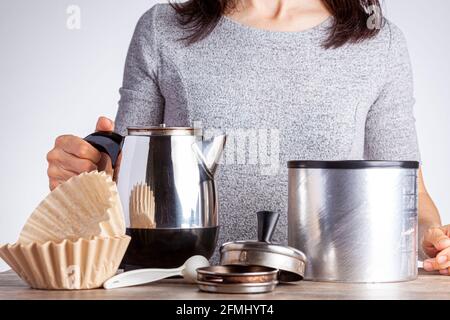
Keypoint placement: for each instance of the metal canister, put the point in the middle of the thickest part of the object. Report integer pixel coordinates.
(356, 221)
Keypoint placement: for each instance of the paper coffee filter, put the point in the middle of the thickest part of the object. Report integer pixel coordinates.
(80, 264)
(85, 206)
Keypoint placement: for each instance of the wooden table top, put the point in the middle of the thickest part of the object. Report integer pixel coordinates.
(427, 286)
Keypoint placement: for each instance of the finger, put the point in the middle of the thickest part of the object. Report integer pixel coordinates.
(71, 164)
(104, 124)
(430, 252)
(58, 173)
(436, 238)
(444, 272)
(443, 259)
(428, 248)
(105, 164)
(78, 147)
(429, 265)
(434, 265)
(53, 184)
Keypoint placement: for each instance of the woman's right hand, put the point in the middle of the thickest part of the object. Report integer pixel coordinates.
(72, 156)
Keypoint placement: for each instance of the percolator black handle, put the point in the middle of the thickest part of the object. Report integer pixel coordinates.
(108, 142)
(267, 222)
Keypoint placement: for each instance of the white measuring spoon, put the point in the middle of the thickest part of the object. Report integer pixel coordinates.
(141, 276)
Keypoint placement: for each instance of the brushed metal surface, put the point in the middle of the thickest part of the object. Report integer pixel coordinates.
(289, 261)
(355, 225)
(182, 190)
(249, 288)
(237, 274)
(291, 268)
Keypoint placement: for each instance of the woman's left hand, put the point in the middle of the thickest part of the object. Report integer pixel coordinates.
(436, 244)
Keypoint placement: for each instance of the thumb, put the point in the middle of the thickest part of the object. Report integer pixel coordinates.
(436, 238)
(104, 124)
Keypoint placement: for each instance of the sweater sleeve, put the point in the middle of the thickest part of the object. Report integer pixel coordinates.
(141, 102)
(390, 132)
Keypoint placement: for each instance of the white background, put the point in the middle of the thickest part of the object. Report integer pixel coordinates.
(54, 81)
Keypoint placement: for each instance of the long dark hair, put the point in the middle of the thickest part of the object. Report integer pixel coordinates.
(350, 24)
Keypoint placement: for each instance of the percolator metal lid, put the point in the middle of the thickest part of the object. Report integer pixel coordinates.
(163, 130)
(290, 262)
(264, 247)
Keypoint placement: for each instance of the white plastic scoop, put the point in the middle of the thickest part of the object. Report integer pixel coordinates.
(141, 276)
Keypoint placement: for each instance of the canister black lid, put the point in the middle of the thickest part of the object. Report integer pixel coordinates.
(352, 164)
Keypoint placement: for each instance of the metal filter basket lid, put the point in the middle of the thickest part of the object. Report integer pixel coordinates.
(289, 261)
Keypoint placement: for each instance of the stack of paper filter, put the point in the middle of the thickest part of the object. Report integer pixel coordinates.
(75, 239)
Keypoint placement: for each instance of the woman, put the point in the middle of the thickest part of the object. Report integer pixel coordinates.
(287, 79)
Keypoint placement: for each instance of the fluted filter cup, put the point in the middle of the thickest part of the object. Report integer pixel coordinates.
(86, 206)
(74, 239)
(66, 265)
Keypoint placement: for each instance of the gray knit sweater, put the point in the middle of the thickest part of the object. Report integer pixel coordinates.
(278, 95)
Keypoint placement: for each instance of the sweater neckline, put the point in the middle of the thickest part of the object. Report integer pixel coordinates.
(317, 30)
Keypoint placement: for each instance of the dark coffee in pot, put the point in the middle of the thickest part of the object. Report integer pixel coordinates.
(168, 248)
